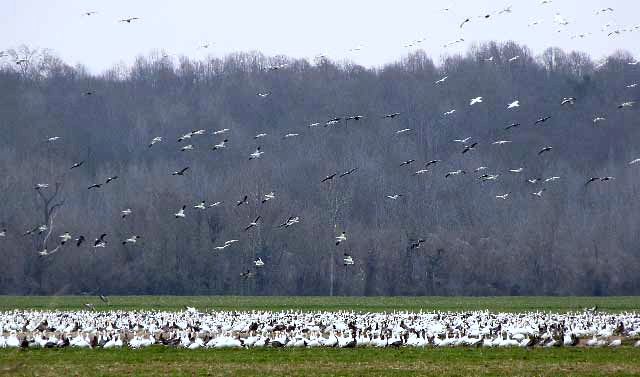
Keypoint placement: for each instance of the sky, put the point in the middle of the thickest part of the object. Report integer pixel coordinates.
(370, 33)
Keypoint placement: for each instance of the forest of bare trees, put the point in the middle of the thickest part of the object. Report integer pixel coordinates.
(575, 239)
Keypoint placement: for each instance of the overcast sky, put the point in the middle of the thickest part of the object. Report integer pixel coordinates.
(307, 28)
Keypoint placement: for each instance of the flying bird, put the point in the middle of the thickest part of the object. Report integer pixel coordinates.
(77, 164)
(109, 179)
(442, 80)
(513, 104)
(468, 148)
(463, 141)
(155, 140)
(394, 196)
(187, 148)
(252, 224)
(539, 193)
(503, 196)
(132, 240)
(347, 260)
(347, 172)
(592, 179)
(128, 20)
(407, 162)
(464, 22)
(598, 119)
(432, 162)
(475, 100)
(95, 185)
(181, 171)
(258, 263)
(255, 154)
(268, 197)
(244, 200)
(542, 120)
(220, 144)
(545, 149)
(392, 115)
(79, 241)
(100, 241)
(329, 177)
(126, 212)
(64, 238)
(341, 238)
(512, 125)
(626, 104)
(180, 213)
(450, 112)
(455, 172)
(568, 100)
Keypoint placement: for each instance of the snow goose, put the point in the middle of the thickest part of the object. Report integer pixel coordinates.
(256, 154)
(473, 101)
(503, 196)
(220, 144)
(181, 171)
(341, 238)
(252, 224)
(155, 140)
(132, 240)
(65, 237)
(455, 172)
(125, 212)
(180, 213)
(347, 172)
(187, 148)
(513, 104)
(200, 205)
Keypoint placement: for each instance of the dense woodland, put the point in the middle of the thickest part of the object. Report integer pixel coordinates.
(577, 238)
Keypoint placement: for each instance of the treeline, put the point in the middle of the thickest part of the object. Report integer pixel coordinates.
(575, 239)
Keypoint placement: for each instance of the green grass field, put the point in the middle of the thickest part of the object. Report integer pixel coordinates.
(322, 362)
(378, 304)
(158, 360)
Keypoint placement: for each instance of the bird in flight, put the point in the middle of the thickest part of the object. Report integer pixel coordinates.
(598, 119)
(100, 241)
(450, 112)
(255, 154)
(347, 260)
(268, 197)
(463, 141)
(545, 149)
(89, 13)
(252, 224)
(513, 104)
(432, 162)
(539, 193)
(512, 125)
(391, 115)
(329, 177)
(187, 148)
(132, 240)
(503, 196)
(109, 179)
(407, 162)
(468, 148)
(626, 104)
(464, 22)
(180, 213)
(341, 238)
(543, 119)
(128, 20)
(244, 200)
(475, 100)
(442, 80)
(155, 140)
(500, 142)
(568, 100)
(95, 185)
(290, 221)
(181, 171)
(347, 172)
(64, 238)
(592, 179)
(220, 144)
(394, 196)
(258, 262)
(77, 164)
(126, 212)
(455, 172)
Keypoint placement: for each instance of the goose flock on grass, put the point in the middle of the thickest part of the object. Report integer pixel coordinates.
(224, 329)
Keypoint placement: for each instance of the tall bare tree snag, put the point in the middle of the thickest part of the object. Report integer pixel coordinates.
(49, 207)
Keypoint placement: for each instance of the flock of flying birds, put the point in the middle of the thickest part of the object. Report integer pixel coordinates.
(468, 145)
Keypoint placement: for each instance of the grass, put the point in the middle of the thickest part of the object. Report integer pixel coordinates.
(309, 303)
(158, 360)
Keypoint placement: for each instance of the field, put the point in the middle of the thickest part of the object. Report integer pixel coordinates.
(159, 360)
(377, 304)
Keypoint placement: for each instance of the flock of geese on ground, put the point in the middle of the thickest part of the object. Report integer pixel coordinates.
(467, 145)
(223, 329)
